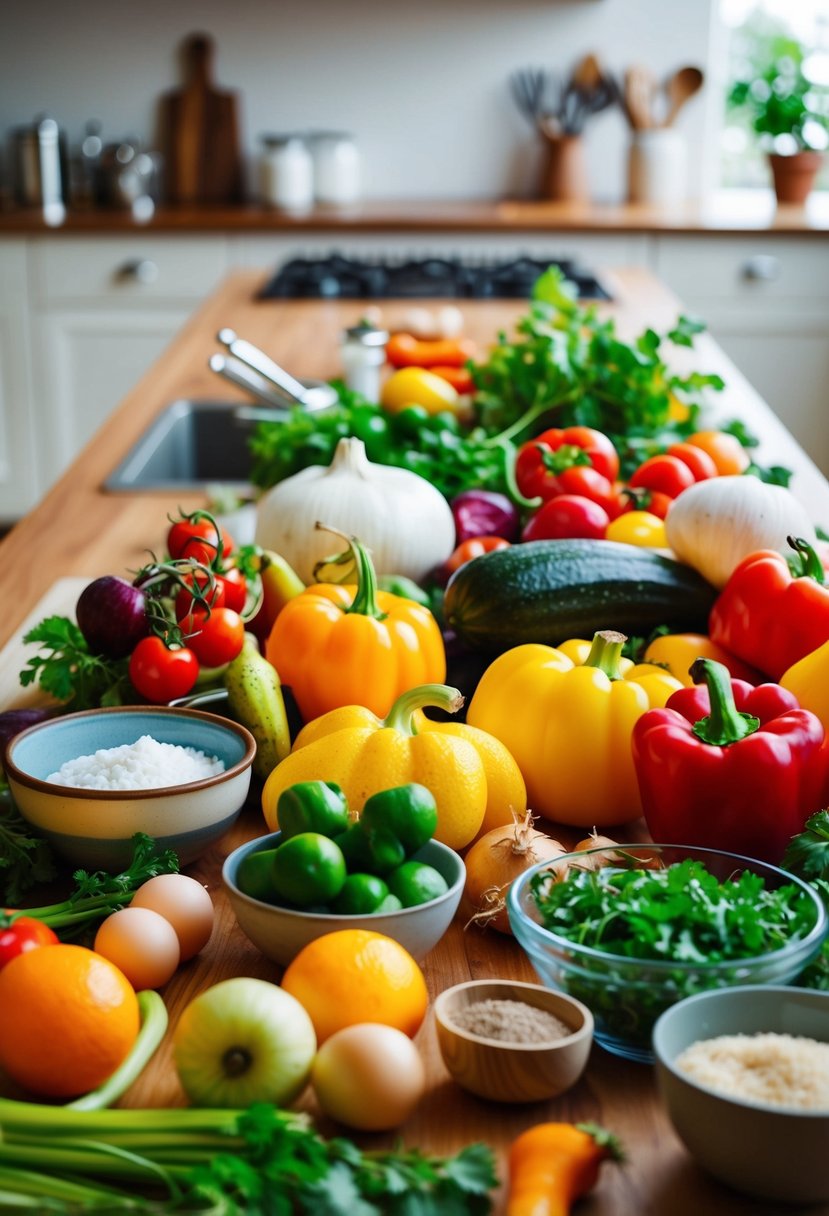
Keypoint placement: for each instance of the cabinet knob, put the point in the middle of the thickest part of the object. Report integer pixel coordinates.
(762, 268)
(138, 270)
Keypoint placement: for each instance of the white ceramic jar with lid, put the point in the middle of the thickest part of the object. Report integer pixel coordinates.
(287, 172)
(337, 168)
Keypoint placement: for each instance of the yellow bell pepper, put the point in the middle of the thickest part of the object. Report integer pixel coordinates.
(808, 680)
(364, 755)
(677, 651)
(567, 716)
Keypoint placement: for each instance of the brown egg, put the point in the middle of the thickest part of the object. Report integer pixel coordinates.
(368, 1076)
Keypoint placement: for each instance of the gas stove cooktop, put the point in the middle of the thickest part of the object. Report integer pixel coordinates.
(339, 277)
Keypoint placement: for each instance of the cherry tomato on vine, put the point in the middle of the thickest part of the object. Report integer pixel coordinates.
(161, 673)
(197, 539)
(540, 460)
(476, 546)
(641, 499)
(215, 639)
(697, 459)
(22, 934)
(235, 588)
(586, 482)
(215, 596)
(638, 528)
(568, 515)
(667, 474)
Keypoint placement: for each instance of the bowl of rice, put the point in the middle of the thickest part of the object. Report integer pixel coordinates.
(744, 1074)
(89, 781)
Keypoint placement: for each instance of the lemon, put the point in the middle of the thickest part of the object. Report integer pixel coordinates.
(417, 386)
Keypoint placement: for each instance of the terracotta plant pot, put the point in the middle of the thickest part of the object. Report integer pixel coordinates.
(794, 175)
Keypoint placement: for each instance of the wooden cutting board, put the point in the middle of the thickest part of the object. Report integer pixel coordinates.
(200, 133)
(59, 600)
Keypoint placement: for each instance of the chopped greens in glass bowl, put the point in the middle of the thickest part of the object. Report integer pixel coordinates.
(632, 929)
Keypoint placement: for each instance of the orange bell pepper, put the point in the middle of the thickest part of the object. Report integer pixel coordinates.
(339, 645)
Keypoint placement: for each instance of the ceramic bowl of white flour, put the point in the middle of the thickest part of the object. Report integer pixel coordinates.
(89, 781)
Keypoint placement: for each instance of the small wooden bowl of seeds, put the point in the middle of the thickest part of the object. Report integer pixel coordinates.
(512, 1042)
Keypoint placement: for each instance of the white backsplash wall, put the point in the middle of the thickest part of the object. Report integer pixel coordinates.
(423, 87)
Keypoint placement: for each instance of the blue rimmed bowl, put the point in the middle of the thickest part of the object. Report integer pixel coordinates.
(94, 828)
(626, 995)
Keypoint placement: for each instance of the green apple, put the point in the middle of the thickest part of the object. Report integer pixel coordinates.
(241, 1041)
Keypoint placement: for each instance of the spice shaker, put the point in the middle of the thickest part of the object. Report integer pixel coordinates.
(363, 356)
(337, 168)
(287, 172)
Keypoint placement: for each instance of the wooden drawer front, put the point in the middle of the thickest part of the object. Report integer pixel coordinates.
(128, 269)
(745, 268)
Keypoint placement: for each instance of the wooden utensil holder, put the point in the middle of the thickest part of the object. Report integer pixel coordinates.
(564, 177)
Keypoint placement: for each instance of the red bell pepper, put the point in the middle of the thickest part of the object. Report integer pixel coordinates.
(769, 617)
(729, 766)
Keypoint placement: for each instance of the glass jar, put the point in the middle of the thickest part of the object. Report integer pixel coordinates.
(337, 168)
(287, 173)
(363, 356)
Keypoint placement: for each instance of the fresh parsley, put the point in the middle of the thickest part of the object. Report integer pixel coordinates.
(67, 669)
(25, 857)
(807, 855)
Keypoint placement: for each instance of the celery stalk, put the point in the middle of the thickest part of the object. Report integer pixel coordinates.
(153, 1026)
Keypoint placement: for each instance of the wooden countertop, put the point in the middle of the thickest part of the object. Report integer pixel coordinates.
(80, 530)
(727, 211)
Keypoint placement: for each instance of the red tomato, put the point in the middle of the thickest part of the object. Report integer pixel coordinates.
(22, 934)
(667, 474)
(541, 460)
(698, 461)
(235, 588)
(185, 602)
(197, 539)
(586, 482)
(642, 500)
(161, 673)
(476, 546)
(567, 516)
(215, 639)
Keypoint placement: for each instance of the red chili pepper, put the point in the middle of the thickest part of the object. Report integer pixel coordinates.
(729, 766)
(768, 617)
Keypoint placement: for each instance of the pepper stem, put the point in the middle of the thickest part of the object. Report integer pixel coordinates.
(810, 564)
(725, 724)
(365, 598)
(606, 652)
(439, 696)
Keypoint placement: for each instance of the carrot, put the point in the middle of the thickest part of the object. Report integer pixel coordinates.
(552, 1164)
(405, 350)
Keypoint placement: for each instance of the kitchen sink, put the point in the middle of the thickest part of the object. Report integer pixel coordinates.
(191, 443)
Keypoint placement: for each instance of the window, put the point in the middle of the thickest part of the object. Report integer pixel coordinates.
(776, 50)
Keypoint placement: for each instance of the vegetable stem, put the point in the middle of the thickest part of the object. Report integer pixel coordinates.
(438, 696)
(725, 724)
(153, 1025)
(365, 598)
(605, 653)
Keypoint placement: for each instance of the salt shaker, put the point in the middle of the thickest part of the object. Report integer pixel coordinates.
(287, 172)
(363, 356)
(337, 169)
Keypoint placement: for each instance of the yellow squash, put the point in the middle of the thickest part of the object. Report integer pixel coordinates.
(364, 754)
(567, 716)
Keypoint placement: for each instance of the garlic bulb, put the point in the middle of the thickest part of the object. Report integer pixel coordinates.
(714, 524)
(399, 516)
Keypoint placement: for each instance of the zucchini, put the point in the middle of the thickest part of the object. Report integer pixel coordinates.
(550, 590)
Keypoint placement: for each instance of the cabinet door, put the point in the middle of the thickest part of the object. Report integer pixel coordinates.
(86, 362)
(20, 481)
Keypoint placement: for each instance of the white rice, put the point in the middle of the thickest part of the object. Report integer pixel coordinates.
(775, 1069)
(144, 765)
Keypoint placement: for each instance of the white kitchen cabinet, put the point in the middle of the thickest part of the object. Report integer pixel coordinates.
(21, 481)
(103, 309)
(765, 299)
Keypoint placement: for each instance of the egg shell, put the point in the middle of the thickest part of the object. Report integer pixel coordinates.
(183, 902)
(368, 1076)
(142, 944)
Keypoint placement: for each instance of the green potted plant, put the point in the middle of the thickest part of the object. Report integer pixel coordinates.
(790, 113)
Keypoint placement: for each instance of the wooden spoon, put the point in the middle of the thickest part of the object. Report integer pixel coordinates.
(638, 92)
(679, 87)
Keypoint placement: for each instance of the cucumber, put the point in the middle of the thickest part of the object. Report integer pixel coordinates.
(550, 590)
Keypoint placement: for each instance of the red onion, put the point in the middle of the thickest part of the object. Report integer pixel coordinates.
(111, 615)
(13, 721)
(484, 513)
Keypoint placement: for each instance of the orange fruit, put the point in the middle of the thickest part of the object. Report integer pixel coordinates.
(68, 1018)
(356, 975)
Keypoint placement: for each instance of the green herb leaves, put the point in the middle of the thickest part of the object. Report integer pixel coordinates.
(68, 671)
(25, 857)
(682, 913)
